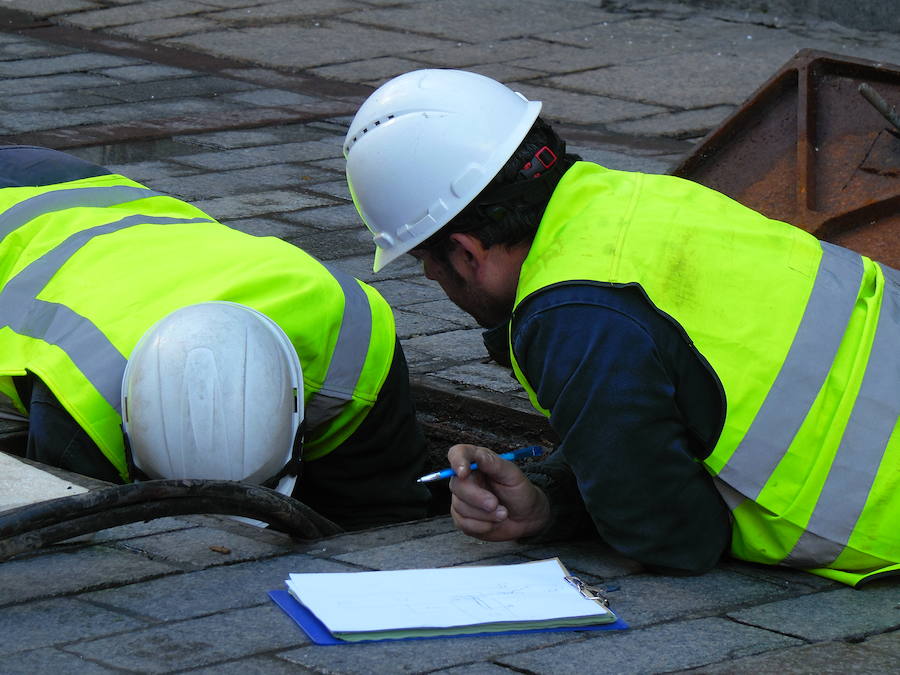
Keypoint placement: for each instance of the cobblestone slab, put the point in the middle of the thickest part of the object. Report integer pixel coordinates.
(419, 656)
(58, 621)
(826, 658)
(187, 596)
(205, 546)
(54, 573)
(49, 660)
(687, 644)
(845, 612)
(198, 642)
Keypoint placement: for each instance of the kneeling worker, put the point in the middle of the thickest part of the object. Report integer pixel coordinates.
(93, 261)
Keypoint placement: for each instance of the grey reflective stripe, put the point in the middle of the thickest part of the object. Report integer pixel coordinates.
(349, 354)
(801, 376)
(59, 200)
(856, 462)
(84, 343)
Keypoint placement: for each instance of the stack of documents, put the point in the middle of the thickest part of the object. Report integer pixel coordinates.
(360, 606)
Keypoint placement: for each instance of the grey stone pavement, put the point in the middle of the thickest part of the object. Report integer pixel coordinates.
(240, 106)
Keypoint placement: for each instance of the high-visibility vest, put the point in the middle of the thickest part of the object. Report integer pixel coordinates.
(804, 337)
(86, 267)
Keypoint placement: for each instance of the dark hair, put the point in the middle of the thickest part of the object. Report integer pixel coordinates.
(509, 209)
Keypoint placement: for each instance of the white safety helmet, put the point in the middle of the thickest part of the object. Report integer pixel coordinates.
(423, 146)
(215, 391)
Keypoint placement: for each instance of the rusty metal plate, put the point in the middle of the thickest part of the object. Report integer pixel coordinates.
(809, 148)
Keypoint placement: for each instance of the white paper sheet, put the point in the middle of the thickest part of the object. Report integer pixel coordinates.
(457, 596)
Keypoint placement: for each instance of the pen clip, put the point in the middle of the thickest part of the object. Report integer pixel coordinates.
(588, 591)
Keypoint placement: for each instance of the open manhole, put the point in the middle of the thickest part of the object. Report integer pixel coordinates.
(812, 149)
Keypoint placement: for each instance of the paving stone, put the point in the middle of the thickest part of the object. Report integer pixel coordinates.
(462, 345)
(645, 599)
(285, 10)
(482, 375)
(58, 621)
(48, 660)
(198, 642)
(140, 155)
(593, 557)
(685, 124)
(327, 246)
(52, 101)
(621, 161)
(50, 119)
(52, 7)
(166, 28)
(241, 158)
(404, 293)
(182, 87)
(257, 204)
(256, 665)
(686, 644)
(30, 85)
(208, 591)
(118, 16)
(330, 218)
(441, 550)
(199, 547)
(233, 139)
(200, 185)
(287, 45)
(828, 658)
(410, 325)
(368, 70)
(266, 227)
(335, 188)
(465, 55)
(415, 656)
(444, 308)
(841, 613)
(489, 20)
(141, 529)
(31, 49)
(270, 97)
(889, 643)
(781, 576)
(145, 72)
(475, 669)
(689, 80)
(583, 108)
(71, 571)
(68, 63)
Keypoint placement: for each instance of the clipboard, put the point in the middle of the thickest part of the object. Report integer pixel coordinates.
(497, 619)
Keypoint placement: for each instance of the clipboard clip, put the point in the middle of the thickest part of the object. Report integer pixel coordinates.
(588, 591)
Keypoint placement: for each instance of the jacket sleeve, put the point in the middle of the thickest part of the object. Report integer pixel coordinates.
(625, 443)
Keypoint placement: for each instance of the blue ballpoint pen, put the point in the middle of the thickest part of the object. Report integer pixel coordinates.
(530, 451)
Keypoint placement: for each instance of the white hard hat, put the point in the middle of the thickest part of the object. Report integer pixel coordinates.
(214, 391)
(423, 146)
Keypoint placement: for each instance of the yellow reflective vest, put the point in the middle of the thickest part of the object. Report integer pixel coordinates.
(804, 337)
(86, 267)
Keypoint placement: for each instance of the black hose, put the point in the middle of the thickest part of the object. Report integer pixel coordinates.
(31, 527)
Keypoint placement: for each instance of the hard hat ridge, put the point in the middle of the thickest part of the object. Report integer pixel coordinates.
(214, 391)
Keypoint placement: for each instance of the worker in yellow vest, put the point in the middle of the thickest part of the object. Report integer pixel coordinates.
(92, 261)
(719, 381)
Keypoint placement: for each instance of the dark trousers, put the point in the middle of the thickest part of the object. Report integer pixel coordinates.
(370, 479)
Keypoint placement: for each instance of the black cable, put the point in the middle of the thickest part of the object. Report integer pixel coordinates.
(31, 527)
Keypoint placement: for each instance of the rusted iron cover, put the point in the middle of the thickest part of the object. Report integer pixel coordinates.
(808, 148)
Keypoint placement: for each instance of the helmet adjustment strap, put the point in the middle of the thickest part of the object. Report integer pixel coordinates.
(541, 174)
(293, 465)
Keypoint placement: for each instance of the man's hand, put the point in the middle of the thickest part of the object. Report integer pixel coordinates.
(496, 502)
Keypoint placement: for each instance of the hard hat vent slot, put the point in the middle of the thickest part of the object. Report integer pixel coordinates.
(366, 129)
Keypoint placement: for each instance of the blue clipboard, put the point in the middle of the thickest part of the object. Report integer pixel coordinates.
(317, 632)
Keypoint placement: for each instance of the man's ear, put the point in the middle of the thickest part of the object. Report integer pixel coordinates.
(468, 253)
